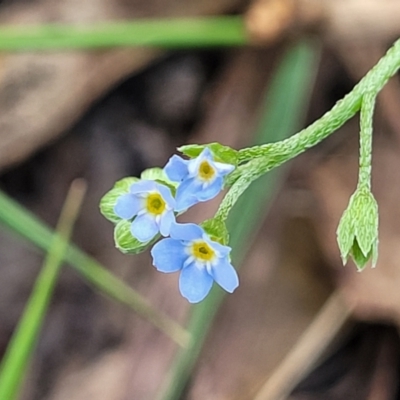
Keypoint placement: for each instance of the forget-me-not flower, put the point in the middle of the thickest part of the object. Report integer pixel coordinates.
(201, 178)
(152, 205)
(200, 259)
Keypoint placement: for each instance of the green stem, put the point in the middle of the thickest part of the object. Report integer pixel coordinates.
(261, 159)
(168, 33)
(366, 117)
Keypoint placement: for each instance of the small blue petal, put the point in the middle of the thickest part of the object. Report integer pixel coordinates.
(176, 168)
(220, 248)
(194, 283)
(127, 206)
(206, 154)
(225, 275)
(194, 164)
(142, 186)
(144, 228)
(165, 223)
(211, 191)
(186, 232)
(166, 195)
(186, 194)
(168, 255)
(185, 203)
(223, 169)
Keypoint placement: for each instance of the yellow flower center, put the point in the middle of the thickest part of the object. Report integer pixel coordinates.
(206, 171)
(155, 204)
(202, 251)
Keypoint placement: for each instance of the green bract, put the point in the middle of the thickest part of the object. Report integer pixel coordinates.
(125, 242)
(158, 174)
(108, 201)
(357, 232)
(123, 238)
(217, 230)
(221, 153)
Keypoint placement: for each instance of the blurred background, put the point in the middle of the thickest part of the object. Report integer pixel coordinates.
(300, 326)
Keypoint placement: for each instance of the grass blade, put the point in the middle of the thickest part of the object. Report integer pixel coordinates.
(25, 224)
(24, 339)
(283, 112)
(167, 33)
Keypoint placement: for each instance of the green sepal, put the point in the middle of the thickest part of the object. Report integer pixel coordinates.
(125, 242)
(108, 201)
(221, 153)
(158, 175)
(357, 232)
(217, 230)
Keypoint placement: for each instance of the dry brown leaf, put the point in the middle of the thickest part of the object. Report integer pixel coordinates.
(43, 93)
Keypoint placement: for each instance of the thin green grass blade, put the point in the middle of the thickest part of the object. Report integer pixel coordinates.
(166, 33)
(283, 112)
(25, 224)
(19, 351)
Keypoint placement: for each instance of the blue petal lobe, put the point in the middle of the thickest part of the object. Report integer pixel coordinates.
(176, 168)
(211, 191)
(165, 223)
(220, 248)
(168, 255)
(187, 232)
(186, 194)
(142, 186)
(127, 206)
(185, 202)
(225, 275)
(194, 283)
(166, 195)
(223, 169)
(206, 154)
(144, 228)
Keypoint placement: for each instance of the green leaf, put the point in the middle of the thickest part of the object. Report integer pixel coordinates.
(108, 201)
(221, 153)
(125, 242)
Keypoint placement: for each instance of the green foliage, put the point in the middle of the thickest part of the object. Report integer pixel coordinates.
(357, 232)
(224, 154)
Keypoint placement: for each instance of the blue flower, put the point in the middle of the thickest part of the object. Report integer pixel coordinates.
(152, 205)
(200, 260)
(201, 179)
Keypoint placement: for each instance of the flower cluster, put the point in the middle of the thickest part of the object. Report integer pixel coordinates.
(147, 209)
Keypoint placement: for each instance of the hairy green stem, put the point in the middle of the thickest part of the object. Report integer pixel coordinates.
(261, 159)
(366, 117)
